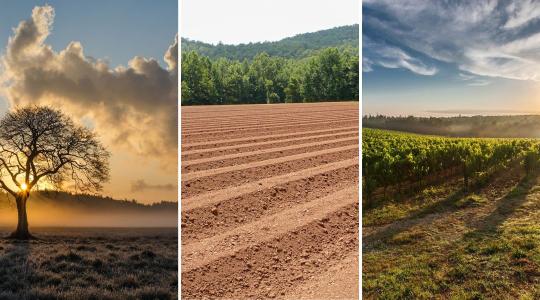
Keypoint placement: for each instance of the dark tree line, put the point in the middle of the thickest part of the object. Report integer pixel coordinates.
(331, 74)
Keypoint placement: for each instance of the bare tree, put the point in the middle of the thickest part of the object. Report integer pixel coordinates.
(41, 145)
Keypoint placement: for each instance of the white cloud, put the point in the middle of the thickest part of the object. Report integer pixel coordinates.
(134, 107)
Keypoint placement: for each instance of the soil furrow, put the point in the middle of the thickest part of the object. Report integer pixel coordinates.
(263, 123)
(254, 158)
(277, 125)
(204, 222)
(245, 121)
(212, 198)
(258, 138)
(281, 163)
(269, 107)
(258, 155)
(276, 262)
(202, 153)
(191, 112)
(266, 131)
(204, 251)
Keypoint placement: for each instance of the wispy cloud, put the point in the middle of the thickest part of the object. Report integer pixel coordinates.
(473, 80)
(393, 57)
(521, 12)
(486, 38)
(367, 65)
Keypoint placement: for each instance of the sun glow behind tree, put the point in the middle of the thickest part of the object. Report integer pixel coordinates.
(41, 144)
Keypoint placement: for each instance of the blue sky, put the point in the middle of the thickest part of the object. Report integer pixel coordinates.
(451, 57)
(117, 30)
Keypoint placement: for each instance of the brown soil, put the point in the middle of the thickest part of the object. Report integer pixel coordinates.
(270, 201)
(261, 131)
(253, 156)
(213, 144)
(235, 149)
(274, 122)
(203, 181)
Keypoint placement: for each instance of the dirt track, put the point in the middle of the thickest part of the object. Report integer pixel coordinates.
(270, 201)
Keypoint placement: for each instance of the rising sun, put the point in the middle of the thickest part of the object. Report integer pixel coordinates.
(24, 186)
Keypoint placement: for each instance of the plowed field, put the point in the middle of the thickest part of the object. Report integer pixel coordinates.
(270, 201)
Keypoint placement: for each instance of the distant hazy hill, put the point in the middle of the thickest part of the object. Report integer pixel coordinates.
(298, 46)
(65, 209)
(513, 126)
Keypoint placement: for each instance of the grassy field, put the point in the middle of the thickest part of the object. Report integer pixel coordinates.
(445, 242)
(90, 263)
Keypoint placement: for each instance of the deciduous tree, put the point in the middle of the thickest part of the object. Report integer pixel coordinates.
(41, 145)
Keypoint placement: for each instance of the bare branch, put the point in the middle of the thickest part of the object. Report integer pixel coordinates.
(7, 189)
(41, 143)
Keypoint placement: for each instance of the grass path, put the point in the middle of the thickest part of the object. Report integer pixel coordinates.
(447, 244)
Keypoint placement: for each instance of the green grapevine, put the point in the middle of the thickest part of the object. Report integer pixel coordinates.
(390, 158)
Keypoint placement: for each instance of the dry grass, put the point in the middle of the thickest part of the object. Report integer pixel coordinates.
(90, 264)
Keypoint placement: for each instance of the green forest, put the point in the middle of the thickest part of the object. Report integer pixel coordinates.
(298, 46)
(312, 67)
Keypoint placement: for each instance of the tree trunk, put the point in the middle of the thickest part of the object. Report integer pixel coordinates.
(21, 232)
(465, 177)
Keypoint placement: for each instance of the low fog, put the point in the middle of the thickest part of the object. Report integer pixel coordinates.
(515, 126)
(51, 209)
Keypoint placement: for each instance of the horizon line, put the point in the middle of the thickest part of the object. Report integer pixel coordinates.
(265, 41)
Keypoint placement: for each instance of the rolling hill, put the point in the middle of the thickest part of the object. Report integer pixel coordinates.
(298, 46)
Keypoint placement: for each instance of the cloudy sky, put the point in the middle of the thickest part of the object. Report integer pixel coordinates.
(111, 65)
(450, 57)
(243, 21)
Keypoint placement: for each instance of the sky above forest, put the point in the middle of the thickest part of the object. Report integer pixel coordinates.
(244, 21)
(111, 66)
(450, 57)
